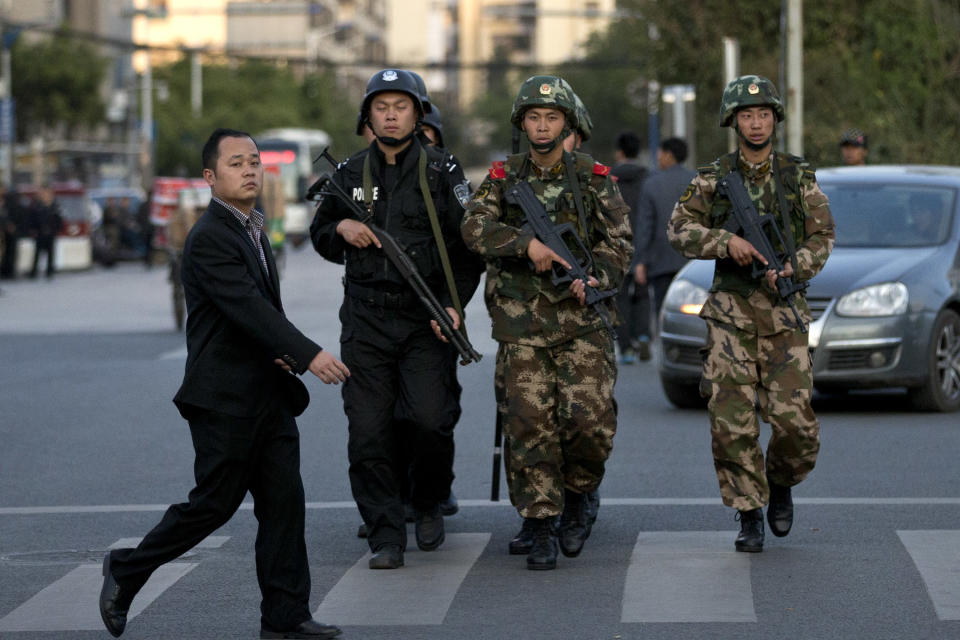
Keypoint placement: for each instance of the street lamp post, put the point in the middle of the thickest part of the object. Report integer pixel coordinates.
(7, 133)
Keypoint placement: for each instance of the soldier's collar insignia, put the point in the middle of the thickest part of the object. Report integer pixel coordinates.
(545, 89)
(753, 89)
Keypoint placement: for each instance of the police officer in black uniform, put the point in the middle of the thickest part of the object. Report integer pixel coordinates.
(399, 364)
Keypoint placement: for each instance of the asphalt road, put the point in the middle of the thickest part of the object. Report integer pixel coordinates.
(93, 451)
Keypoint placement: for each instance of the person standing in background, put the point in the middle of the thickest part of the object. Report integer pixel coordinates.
(655, 262)
(633, 300)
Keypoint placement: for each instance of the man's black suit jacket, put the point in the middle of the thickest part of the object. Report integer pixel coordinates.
(235, 324)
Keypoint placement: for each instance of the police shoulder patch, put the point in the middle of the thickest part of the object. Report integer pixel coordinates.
(687, 194)
(600, 169)
(497, 172)
(462, 192)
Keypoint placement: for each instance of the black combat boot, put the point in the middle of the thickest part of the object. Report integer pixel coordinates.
(750, 539)
(523, 541)
(593, 506)
(543, 553)
(780, 510)
(574, 523)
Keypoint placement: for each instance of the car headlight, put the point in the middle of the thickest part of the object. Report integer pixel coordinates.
(685, 297)
(887, 299)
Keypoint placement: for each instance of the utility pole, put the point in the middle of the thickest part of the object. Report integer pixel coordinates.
(731, 71)
(794, 93)
(7, 129)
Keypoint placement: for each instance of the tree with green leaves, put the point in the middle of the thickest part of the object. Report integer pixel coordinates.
(50, 91)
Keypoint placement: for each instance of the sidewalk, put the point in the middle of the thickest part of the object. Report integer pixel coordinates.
(131, 299)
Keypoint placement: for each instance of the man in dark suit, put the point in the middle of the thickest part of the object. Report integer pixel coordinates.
(655, 262)
(240, 398)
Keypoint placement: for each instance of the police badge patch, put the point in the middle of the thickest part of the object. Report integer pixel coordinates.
(462, 191)
(687, 194)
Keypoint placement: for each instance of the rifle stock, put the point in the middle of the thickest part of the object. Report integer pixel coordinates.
(755, 229)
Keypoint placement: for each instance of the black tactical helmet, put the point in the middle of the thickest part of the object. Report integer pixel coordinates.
(433, 119)
(390, 80)
(749, 91)
(422, 88)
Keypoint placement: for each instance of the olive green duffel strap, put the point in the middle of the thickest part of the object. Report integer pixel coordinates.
(438, 236)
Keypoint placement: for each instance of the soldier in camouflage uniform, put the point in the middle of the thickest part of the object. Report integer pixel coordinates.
(756, 355)
(555, 369)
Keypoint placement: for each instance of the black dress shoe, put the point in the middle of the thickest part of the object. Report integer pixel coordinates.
(543, 553)
(429, 529)
(522, 543)
(574, 525)
(114, 601)
(309, 629)
(450, 506)
(388, 556)
(750, 539)
(780, 510)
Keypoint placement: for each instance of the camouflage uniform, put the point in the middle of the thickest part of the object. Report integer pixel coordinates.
(555, 368)
(754, 349)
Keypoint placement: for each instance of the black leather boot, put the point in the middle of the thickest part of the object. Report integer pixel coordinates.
(593, 506)
(523, 541)
(750, 539)
(574, 523)
(780, 510)
(543, 553)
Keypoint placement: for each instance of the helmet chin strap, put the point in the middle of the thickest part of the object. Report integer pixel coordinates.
(547, 147)
(753, 146)
(394, 142)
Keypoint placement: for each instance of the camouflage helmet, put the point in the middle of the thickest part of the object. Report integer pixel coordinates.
(545, 91)
(584, 123)
(749, 91)
(854, 138)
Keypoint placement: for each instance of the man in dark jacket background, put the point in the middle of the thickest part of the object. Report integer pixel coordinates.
(240, 397)
(655, 262)
(633, 301)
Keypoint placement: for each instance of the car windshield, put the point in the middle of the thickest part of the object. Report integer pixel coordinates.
(890, 215)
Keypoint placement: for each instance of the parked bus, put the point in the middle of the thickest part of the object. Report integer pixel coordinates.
(292, 151)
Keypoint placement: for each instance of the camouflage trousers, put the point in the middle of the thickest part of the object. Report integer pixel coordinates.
(559, 418)
(747, 373)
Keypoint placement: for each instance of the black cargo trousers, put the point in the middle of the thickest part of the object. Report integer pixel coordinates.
(399, 368)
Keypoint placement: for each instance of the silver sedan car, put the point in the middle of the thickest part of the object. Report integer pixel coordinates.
(886, 307)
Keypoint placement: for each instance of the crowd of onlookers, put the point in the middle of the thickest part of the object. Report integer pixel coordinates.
(37, 218)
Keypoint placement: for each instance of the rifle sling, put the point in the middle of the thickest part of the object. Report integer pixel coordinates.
(785, 215)
(781, 201)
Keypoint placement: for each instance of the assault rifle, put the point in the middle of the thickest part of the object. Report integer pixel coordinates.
(325, 186)
(757, 230)
(552, 235)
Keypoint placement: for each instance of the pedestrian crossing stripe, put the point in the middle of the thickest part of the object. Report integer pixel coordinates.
(70, 603)
(672, 577)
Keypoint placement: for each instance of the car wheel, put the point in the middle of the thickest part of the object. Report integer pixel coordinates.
(941, 392)
(683, 396)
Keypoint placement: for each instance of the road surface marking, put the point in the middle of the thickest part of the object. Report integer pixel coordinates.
(687, 576)
(70, 603)
(609, 502)
(937, 556)
(419, 593)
